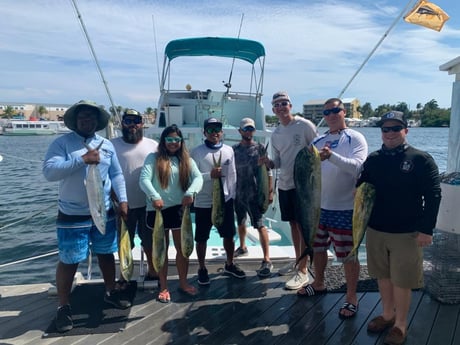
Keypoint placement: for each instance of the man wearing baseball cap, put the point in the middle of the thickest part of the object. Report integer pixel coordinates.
(292, 134)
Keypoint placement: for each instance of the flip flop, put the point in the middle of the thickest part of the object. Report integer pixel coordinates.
(308, 291)
(350, 307)
(189, 291)
(164, 296)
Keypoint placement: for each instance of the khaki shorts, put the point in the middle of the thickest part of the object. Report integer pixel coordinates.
(396, 257)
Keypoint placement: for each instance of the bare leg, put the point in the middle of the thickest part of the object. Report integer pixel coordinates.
(351, 269)
(201, 253)
(320, 263)
(64, 280)
(387, 295)
(242, 235)
(229, 246)
(299, 245)
(107, 266)
(181, 262)
(264, 243)
(402, 298)
(163, 274)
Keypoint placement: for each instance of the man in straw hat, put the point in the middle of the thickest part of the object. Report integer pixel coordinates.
(67, 161)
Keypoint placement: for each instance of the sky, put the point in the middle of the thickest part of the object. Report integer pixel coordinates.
(313, 48)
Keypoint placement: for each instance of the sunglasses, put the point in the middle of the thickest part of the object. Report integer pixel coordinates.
(281, 104)
(136, 121)
(173, 140)
(335, 110)
(248, 129)
(212, 130)
(391, 129)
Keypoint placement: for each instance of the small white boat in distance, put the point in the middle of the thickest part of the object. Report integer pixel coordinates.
(27, 127)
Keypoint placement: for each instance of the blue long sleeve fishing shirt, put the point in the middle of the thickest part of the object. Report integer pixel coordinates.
(64, 163)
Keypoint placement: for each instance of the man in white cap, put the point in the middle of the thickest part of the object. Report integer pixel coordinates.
(247, 162)
(292, 134)
(132, 148)
(67, 161)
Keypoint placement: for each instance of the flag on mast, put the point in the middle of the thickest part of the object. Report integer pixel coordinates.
(427, 14)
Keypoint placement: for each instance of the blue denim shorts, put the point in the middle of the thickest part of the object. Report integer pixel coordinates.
(76, 238)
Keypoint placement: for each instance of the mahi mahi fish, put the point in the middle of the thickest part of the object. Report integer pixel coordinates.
(362, 209)
(124, 252)
(218, 198)
(307, 179)
(95, 193)
(158, 242)
(263, 182)
(186, 233)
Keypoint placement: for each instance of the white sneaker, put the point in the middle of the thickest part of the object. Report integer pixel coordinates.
(297, 281)
(287, 269)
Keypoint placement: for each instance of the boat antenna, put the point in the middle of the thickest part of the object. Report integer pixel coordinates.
(93, 53)
(228, 84)
(156, 50)
(372, 52)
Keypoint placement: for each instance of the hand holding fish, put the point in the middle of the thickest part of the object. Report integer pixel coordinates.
(325, 153)
(92, 156)
(187, 200)
(216, 172)
(158, 204)
(123, 210)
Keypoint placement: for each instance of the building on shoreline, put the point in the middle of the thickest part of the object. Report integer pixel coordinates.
(29, 111)
(313, 109)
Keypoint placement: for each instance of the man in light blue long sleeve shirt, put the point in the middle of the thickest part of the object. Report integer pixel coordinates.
(67, 161)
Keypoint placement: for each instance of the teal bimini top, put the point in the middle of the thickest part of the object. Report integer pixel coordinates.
(238, 48)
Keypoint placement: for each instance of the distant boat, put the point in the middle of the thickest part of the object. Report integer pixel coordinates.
(414, 123)
(25, 127)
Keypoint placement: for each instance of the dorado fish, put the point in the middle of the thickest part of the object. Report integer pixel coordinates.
(124, 252)
(307, 179)
(158, 242)
(95, 193)
(263, 183)
(218, 198)
(362, 209)
(186, 233)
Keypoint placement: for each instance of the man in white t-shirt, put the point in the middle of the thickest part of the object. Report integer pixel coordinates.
(292, 134)
(132, 148)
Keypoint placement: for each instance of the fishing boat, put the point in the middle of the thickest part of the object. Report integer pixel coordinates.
(26, 127)
(187, 107)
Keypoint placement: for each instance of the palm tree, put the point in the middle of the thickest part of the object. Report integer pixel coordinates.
(8, 112)
(42, 110)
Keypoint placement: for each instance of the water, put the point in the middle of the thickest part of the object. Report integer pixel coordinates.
(25, 192)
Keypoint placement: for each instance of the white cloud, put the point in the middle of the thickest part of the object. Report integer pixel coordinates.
(313, 48)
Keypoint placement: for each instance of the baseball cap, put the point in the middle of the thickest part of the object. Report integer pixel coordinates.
(280, 96)
(212, 121)
(247, 122)
(392, 115)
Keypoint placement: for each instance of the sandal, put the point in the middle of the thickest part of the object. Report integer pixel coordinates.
(351, 308)
(309, 290)
(164, 296)
(395, 337)
(189, 290)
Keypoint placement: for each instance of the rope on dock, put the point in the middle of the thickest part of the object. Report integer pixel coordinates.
(29, 259)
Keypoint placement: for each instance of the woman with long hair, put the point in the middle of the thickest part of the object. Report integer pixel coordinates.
(170, 179)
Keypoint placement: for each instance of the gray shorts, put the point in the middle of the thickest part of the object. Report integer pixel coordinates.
(396, 257)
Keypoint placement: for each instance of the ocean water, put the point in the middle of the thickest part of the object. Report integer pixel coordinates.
(28, 203)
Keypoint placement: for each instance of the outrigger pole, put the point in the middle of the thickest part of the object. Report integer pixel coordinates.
(376, 46)
(93, 53)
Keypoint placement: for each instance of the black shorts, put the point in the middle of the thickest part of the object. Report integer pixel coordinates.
(288, 204)
(172, 219)
(136, 220)
(204, 224)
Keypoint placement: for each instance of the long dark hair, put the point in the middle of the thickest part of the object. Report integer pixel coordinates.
(163, 166)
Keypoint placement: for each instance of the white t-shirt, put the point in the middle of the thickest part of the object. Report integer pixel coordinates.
(131, 157)
(287, 141)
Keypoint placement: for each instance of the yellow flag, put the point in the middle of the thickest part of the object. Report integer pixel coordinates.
(428, 15)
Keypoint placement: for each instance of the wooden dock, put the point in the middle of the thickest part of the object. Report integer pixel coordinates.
(229, 311)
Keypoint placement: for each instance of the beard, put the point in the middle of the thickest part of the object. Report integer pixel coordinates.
(245, 138)
(132, 138)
